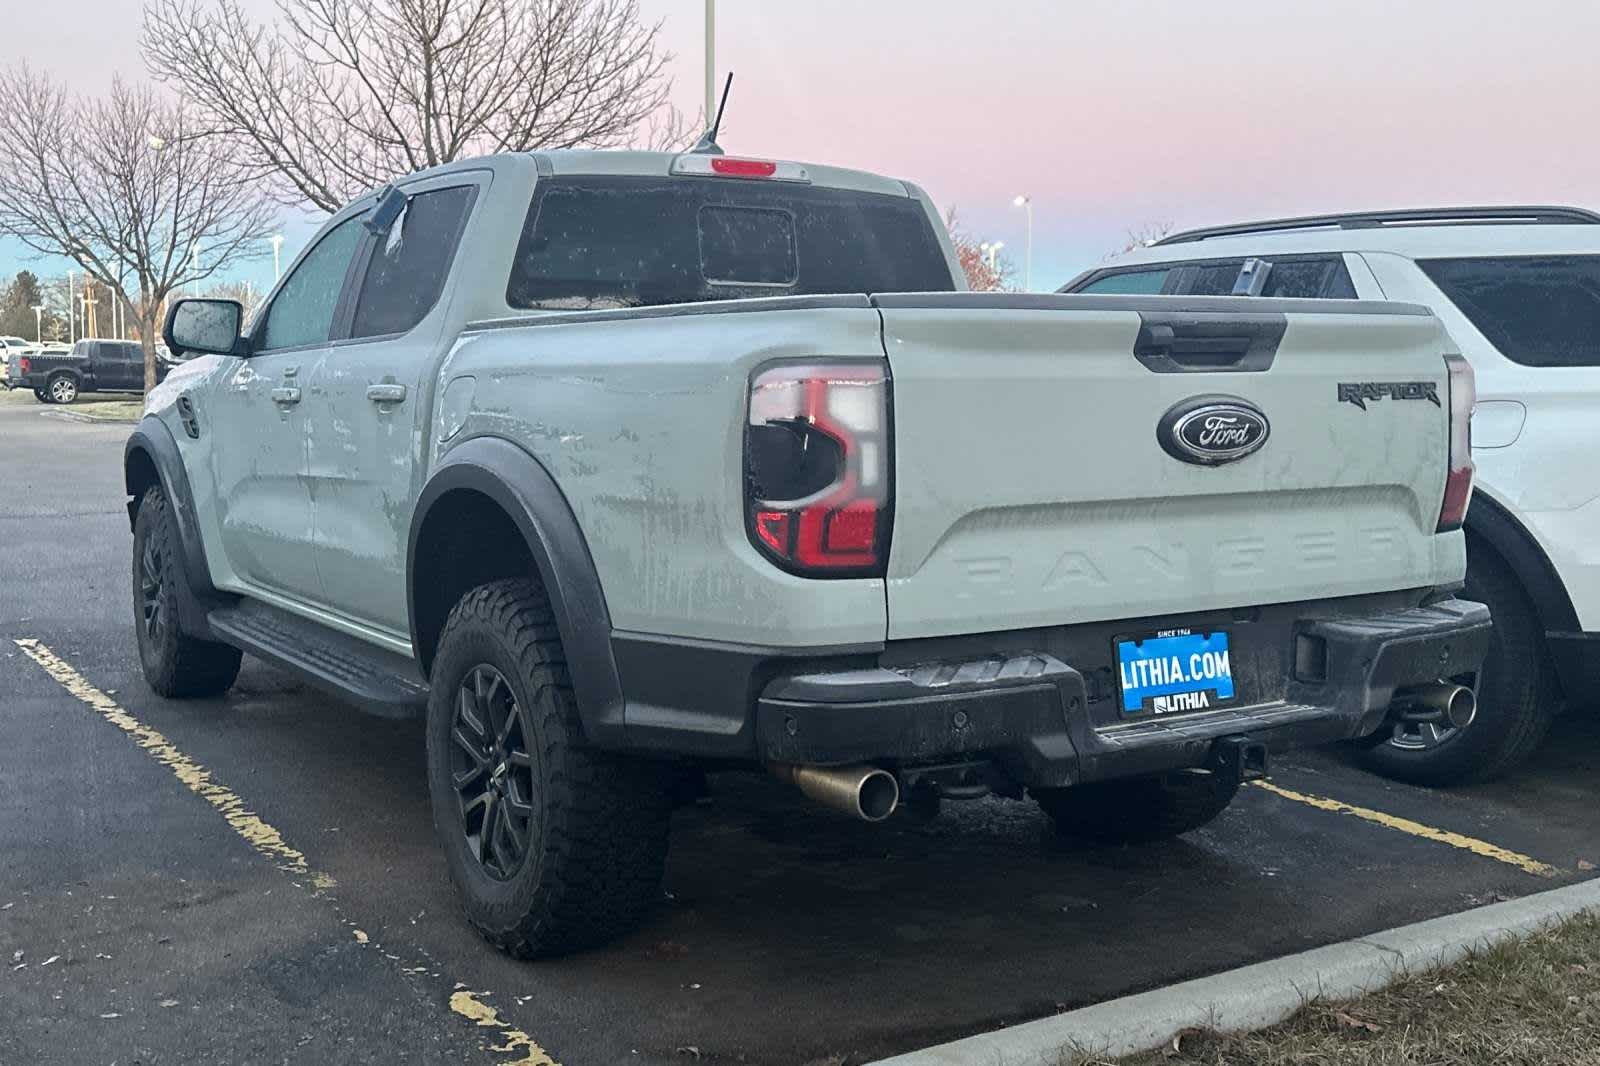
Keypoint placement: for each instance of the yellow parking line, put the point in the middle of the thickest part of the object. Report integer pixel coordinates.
(469, 1006)
(1417, 829)
(261, 836)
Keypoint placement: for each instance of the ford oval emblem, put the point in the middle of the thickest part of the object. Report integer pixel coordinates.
(1212, 430)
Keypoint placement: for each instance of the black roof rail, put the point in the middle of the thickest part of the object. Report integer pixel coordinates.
(1509, 215)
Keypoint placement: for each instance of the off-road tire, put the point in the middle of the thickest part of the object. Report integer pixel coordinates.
(1516, 692)
(42, 396)
(176, 664)
(1139, 810)
(62, 388)
(597, 846)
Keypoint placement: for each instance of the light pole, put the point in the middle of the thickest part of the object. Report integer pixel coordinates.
(72, 322)
(38, 323)
(711, 61)
(277, 243)
(1026, 203)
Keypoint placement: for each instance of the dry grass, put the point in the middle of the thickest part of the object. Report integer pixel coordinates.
(99, 407)
(1531, 1003)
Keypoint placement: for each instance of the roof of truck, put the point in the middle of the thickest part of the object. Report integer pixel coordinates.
(601, 162)
(621, 163)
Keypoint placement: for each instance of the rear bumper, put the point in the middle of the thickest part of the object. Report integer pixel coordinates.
(1048, 721)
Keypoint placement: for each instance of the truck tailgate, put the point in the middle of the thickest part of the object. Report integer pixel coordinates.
(1031, 488)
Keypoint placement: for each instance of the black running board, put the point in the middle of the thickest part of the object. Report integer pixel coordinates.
(376, 681)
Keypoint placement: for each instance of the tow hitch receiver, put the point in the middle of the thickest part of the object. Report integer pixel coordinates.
(1239, 758)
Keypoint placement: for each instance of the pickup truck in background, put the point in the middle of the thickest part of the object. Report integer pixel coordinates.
(91, 366)
(622, 466)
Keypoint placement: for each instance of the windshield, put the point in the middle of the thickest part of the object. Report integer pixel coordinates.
(606, 242)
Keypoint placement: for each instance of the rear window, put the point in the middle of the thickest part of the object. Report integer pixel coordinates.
(607, 242)
(1537, 310)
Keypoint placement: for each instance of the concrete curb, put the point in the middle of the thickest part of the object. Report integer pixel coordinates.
(1257, 996)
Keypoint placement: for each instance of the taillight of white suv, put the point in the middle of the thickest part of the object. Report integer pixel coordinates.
(1463, 393)
(818, 467)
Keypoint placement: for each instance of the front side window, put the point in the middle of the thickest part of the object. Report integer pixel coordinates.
(608, 242)
(1537, 310)
(410, 264)
(302, 312)
(1128, 283)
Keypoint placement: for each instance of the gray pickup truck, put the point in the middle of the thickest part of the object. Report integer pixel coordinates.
(622, 466)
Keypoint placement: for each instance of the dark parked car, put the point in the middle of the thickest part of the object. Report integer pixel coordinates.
(91, 366)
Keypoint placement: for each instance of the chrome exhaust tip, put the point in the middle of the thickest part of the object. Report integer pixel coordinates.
(863, 792)
(1442, 702)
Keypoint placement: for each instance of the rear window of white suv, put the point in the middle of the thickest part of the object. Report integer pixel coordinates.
(1537, 310)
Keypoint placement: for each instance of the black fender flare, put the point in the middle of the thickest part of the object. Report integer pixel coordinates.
(152, 443)
(521, 486)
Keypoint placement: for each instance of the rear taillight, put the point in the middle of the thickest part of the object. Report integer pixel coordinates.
(817, 468)
(1458, 484)
(23, 365)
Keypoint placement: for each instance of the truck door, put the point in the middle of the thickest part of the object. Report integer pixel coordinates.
(369, 403)
(120, 365)
(263, 503)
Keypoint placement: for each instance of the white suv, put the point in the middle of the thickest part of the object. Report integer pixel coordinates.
(1519, 290)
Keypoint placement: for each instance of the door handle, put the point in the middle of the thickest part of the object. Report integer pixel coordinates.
(387, 392)
(286, 397)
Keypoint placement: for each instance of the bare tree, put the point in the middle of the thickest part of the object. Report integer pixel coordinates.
(340, 96)
(1142, 237)
(243, 293)
(123, 187)
(984, 273)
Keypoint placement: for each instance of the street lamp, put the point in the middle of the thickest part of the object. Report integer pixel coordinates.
(38, 323)
(72, 323)
(1026, 203)
(277, 243)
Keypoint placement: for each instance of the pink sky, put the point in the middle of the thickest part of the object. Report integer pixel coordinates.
(1109, 114)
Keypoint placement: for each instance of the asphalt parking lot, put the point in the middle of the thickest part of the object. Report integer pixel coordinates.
(254, 880)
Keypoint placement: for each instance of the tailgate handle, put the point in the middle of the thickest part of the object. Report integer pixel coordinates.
(1178, 342)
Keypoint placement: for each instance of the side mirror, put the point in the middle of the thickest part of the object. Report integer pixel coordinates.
(209, 326)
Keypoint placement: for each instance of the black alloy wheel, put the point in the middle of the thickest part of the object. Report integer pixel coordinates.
(155, 622)
(491, 766)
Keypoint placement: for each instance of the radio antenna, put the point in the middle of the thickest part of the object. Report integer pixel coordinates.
(708, 143)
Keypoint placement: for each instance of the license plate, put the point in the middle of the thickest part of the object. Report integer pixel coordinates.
(1174, 672)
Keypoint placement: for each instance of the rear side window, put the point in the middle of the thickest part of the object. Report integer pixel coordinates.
(410, 262)
(1537, 310)
(1310, 279)
(1210, 279)
(1128, 283)
(606, 242)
